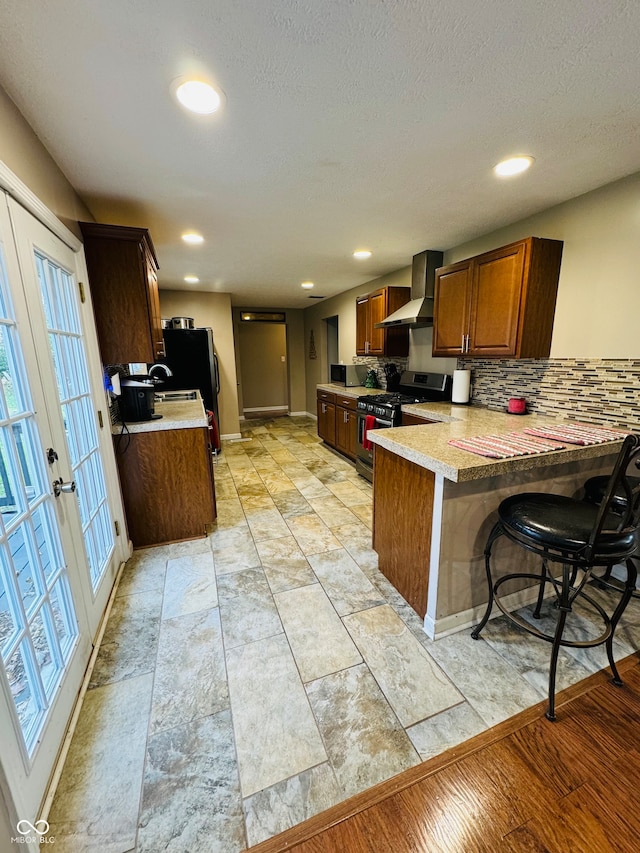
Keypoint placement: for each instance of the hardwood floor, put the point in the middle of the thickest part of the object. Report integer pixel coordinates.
(525, 786)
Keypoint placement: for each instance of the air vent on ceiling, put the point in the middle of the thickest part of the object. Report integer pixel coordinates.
(315, 297)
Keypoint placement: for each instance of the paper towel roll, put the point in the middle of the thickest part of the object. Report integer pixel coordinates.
(461, 385)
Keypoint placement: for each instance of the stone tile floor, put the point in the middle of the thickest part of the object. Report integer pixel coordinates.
(251, 679)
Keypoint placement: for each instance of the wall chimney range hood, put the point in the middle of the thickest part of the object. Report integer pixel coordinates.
(419, 310)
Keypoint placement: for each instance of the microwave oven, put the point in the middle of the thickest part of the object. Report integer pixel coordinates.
(348, 374)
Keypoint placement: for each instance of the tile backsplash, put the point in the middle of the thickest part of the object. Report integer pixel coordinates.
(378, 365)
(590, 390)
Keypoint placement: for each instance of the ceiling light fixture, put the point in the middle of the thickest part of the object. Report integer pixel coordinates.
(193, 238)
(191, 279)
(199, 97)
(307, 285)
(513, 166)
(362, 254)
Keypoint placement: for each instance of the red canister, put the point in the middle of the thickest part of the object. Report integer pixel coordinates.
(517, 406)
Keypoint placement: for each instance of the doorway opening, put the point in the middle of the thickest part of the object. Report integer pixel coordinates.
(332, 343)
(263, 369)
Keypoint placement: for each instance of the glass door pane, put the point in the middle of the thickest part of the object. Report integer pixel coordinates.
(59, 297)
(38, 623)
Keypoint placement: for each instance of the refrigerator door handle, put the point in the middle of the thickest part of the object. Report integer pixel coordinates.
(217, 372)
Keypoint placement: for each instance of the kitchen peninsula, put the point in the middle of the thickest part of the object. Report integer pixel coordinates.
(435, 504)
(166, 473)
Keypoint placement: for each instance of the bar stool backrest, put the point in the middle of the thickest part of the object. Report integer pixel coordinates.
(629, 520)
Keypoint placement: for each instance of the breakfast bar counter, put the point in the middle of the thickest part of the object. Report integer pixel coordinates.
(435, 504)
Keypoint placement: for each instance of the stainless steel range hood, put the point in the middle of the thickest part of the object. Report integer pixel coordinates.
(419, 311)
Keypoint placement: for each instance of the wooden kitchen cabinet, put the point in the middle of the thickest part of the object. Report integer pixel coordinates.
(122, 267)
(373, 308)
(346, 426)
(414, 420)
(167, 484)
(500, 303)
(326, 408)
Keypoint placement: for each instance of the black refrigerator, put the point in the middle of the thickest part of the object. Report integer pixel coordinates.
(190, 355)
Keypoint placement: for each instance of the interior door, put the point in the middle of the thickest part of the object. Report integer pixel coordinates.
(49, 268)
(45, 641)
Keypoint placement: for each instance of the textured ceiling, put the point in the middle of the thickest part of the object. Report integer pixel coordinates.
(346, 123)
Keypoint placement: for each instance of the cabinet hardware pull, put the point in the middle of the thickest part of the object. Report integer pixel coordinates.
(462, 347)
(467, 350)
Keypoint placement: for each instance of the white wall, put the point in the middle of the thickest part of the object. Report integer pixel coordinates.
(598, 308)
(212, 310)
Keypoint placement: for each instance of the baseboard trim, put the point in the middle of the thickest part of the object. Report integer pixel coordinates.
(436, 629)
(297, 414)
(231, 435)
(267, 409)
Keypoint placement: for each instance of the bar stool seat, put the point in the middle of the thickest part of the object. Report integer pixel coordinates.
(572, 537)
(560, 523)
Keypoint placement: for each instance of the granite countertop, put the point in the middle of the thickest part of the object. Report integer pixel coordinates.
(354, 391)
(176, 414)
(428, 446)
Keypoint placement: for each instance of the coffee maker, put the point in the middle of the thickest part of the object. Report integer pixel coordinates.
(136, 402)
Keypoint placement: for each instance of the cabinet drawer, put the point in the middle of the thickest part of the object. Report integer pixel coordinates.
(346, 402)
(327, 396)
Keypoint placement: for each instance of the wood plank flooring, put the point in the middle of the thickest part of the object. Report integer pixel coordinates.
(525, 786)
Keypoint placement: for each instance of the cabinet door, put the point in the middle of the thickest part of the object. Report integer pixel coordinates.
(327, 422)
(154, 311)
(362, 325)
(377, 313)
(495, 303)
(346, 436)
(452, 309)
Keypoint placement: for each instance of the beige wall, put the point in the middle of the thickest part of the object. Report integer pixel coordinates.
(296, 379)
(263, 365)
(27, 158)
(212, 310)
(599, 293)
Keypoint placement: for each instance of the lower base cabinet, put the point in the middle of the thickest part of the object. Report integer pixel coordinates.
(403, 495)
(167, 484)
(337, 422)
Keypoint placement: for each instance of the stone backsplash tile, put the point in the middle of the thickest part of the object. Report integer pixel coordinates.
(591, 390)
(378, 365)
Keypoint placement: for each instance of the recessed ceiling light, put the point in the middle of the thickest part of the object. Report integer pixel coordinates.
(191, 279)
(192, 237)
(362, 254)
(513, 166)
(199, 97)
(307, 285)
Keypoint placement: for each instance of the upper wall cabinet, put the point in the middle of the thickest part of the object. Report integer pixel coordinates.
(372, 309)
(499, 304)
(122, 267)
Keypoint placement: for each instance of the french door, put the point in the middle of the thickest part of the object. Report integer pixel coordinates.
(58, 553)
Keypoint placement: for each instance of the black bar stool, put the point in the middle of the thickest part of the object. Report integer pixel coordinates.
(578, 536)
(594, 491)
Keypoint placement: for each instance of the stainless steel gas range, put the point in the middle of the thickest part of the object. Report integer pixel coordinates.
(382, 411)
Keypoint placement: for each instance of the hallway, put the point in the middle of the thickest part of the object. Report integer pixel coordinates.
(252, 679)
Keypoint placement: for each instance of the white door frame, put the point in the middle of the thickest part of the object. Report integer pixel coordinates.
(21, 193)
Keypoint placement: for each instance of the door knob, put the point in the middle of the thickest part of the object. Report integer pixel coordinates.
(60, 487)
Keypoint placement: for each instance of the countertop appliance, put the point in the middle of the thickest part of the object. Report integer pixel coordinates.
(136, 401)
(385, 409)
(347, 374)
(190, 355)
